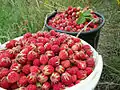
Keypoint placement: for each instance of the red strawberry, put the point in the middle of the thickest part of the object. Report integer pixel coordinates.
(89, 53)
(34, 69)
(32, 40)
(71, 85)
(60, 69)
(15, 67)
(74, 78)
(29, 62)
(73, 70)
(70, 43)
(66, 78)
(21, 58)
(4, 83)
(42, 40)
(70, 51)
(22, 74)
(21, 42)
(86, 47)
(52, 39)
(27, 35)
(48, 69)
(3, 72)
(57, 34)
(63, 55)
(78, 81)
(55, 49)
(54, 61)
(56, 42)
(1, 52)
(13, 77)
(79, 45)
(50, 54)
(76, 40)
(71, 57)
(65, 63)
(14, 61)
(31, 55)
(42, 78)
(48, 46)
(22, 81)
(62, 38)
(39, 44)
(14, 86)
(16, 49)
(64, 47)
(40, 34)
(10, 53)
(46, 34)
(82, 64)
(5, 62)
(11, 44)
(25, 51)
(26, 69)
(83, 55)
(95, 26)
(55, 77)
(74, 61)
(36, 62)
(90, 62)
(41, 67)
(70, 7)
(31, 87)
(45, 86)
(31, 47)
(53, 33)
(46, 40)
(75, 47)
(34, 36)
(41, 50)
(81, 74)
(32, 78)
(44, 59)
(58, 86)
(77, 55)
(1, 68)
(89, 70)
(75, 9)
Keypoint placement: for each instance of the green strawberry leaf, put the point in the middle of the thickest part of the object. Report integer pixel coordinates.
(86, 13)
(83, 16)
(81, 20)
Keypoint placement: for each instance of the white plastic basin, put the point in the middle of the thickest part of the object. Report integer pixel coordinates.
(92, 80)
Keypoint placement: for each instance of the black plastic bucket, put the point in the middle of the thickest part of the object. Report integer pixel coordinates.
(92, 36)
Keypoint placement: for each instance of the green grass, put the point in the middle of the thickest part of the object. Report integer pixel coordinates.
(20, 16)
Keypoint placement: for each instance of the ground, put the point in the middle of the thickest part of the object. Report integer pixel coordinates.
(20, 16)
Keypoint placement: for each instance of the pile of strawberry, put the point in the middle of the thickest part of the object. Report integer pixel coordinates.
(45, 61)
(67, 20)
